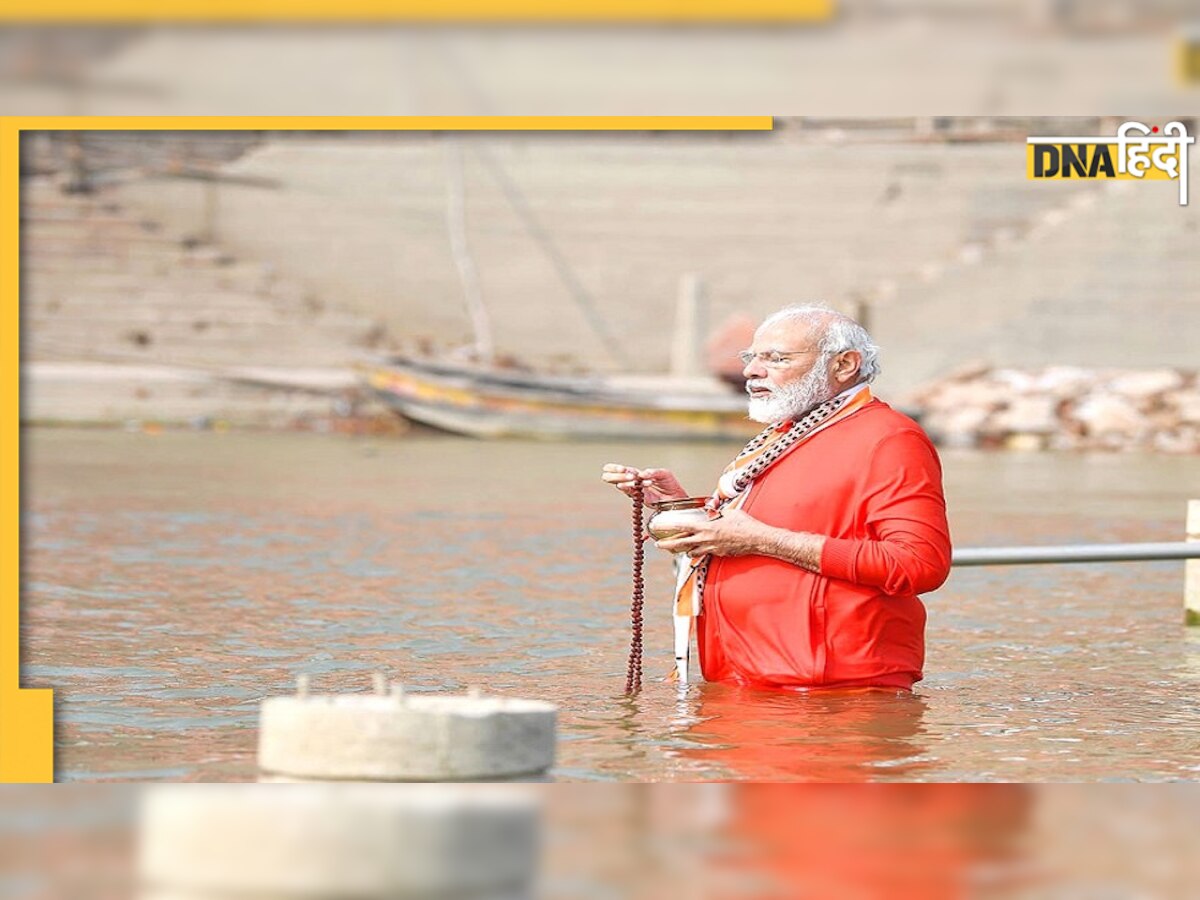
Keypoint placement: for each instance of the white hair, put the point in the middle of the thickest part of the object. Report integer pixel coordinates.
(838, 333)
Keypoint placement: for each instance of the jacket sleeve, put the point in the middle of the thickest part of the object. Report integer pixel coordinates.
(907, 550)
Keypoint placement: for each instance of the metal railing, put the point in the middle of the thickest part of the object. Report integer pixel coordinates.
(1074, 553)
(1105, 553)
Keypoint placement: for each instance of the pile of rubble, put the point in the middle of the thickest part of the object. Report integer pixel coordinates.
(1064, 408)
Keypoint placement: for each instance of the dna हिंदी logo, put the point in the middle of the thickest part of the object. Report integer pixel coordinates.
(1137, 152)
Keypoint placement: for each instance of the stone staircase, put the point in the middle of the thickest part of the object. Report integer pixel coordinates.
(122, 318)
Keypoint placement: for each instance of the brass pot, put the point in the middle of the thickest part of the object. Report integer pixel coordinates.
(675, 517)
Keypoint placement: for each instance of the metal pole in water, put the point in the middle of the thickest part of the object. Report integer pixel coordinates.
(1191, 569)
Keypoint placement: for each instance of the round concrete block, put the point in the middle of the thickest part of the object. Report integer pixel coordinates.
(405, 737)
(343, 840)
(271, 778)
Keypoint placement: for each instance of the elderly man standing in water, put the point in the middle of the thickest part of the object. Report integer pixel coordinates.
(823, 530)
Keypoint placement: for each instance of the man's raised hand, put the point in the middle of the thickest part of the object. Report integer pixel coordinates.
(658, 484)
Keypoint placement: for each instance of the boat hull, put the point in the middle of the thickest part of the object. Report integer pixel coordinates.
(490, 405)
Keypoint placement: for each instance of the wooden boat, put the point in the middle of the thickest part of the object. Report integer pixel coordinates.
(489, 402)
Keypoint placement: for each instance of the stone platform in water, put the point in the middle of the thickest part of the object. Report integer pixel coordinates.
(405, 737)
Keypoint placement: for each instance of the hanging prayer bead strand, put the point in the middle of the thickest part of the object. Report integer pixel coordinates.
(633, 675)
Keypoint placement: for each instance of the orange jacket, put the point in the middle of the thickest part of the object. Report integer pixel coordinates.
(872, 484)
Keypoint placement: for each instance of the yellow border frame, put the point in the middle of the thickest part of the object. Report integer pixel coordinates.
(75, 12)
(27, 715)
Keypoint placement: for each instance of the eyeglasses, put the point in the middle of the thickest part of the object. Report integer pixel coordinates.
(773, 359)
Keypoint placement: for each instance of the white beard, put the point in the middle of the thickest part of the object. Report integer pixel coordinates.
(792, 400)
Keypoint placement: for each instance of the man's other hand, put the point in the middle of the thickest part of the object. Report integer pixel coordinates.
(733, 534)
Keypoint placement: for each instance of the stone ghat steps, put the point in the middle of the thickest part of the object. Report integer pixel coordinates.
(131, 244)
(120, 152)
(49, 278)
(200, 325)
(115, 300)
(120, 393)
(212, 347)
(99, 282)
(87, 227)
(200, 330)
(206, 341)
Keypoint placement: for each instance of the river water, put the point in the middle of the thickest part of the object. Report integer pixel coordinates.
(173, 580)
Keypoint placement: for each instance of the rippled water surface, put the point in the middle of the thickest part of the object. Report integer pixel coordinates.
(172, 581)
